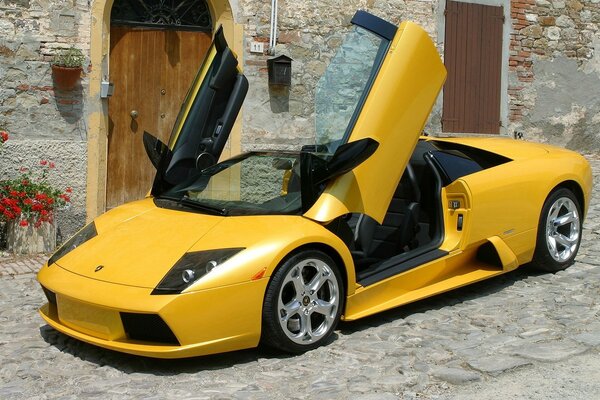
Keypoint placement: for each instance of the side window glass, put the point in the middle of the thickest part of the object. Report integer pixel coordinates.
(455, 164)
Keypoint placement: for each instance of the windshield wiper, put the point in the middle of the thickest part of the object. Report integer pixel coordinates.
(185, 200)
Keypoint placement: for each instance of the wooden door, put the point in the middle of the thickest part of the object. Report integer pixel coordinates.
(151, 70)
(473, 58)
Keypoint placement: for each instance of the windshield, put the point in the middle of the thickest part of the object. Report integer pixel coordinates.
(343, 88)
(253, 184)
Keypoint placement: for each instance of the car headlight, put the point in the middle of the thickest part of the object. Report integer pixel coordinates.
(88, 232)
(191, 267)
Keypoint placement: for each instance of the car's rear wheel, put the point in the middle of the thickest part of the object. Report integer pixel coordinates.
(559, 232)
(303, 302)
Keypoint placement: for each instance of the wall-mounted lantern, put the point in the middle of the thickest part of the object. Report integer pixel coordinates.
(280, 71)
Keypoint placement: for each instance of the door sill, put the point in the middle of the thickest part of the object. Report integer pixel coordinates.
(397, 265)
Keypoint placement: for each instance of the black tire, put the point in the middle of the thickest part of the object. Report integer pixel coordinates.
(293, 331)
(546, 258)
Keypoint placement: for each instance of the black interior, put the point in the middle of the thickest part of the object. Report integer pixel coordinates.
(412, 228)
(211, 115)
(398, 232)
(316, 171)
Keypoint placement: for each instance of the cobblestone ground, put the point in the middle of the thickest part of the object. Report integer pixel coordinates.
(521, 332)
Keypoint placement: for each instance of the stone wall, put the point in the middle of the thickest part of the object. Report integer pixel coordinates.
(309, 32)
(555, 72)
(554, 67)
(32, 30)
(44, 123)
(553, 78)
(70, 158)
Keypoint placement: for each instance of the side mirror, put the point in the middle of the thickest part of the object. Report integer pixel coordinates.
(154, 148)
(282, 164)
(315, 171)
(347, 157)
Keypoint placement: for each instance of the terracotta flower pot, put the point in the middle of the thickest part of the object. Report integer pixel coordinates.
(29, 239)
(65, 78)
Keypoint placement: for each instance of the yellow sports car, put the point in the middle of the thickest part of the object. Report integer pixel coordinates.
(277, 247)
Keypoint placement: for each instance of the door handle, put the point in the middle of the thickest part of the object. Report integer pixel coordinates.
(134, 114)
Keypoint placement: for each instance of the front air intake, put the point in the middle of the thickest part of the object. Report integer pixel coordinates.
(148, 328)
(50, 295)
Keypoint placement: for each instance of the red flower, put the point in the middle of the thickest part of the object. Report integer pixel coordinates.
(3, 136)
(23, 222)
(31, 197)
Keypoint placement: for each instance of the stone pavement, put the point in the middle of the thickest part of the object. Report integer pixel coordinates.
(16, 265)
(524, 334)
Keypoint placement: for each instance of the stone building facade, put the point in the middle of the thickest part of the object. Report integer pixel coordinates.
(550, 77)
(44, 123)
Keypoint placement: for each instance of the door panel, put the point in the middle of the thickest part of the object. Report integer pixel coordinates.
(151, 71)
(207, 115)
(394, 114)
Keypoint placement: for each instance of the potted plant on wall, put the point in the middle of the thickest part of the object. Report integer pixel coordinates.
(28, 204)
(67, 65)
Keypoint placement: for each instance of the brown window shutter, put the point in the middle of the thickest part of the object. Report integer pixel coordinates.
(473, 57)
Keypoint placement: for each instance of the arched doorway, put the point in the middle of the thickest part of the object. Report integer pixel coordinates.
(156, 48)
(223, 13)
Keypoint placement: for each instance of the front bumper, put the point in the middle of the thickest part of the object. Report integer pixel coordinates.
(204, 322)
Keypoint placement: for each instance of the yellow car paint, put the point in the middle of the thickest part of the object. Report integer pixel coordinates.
(191, 95)
(394, 114)
(455, 270)
(197, 317)
(267, 239)
(138, 243)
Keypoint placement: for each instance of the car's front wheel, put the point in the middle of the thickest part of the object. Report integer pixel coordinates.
(559, 232)
(303, 302)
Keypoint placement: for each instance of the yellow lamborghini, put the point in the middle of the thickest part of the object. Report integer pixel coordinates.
(277, 247)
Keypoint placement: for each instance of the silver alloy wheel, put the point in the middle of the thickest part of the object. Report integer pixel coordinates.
(562, 229)
(308, 301)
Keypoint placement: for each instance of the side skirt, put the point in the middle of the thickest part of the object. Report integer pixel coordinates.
(449, 272)
(392, 267)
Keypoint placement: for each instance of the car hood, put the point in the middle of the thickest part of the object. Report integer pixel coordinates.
(138, 243)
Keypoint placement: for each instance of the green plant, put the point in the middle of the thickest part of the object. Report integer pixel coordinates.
(30, 198)
(69, 58)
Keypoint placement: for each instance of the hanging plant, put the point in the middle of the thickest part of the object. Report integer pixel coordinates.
(67, 66)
